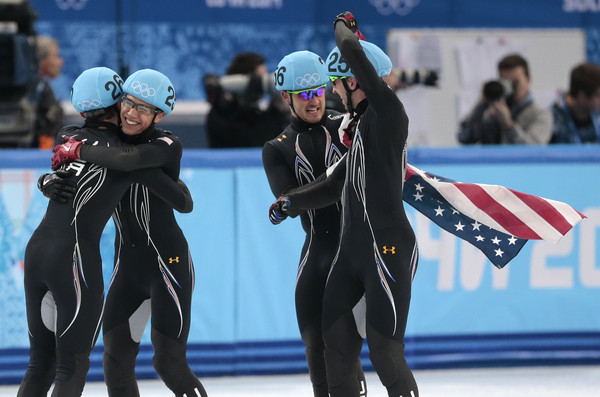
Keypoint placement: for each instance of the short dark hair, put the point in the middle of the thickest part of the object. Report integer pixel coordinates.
(584, 77)
(245, 63)
(101, 114)
(512, 61)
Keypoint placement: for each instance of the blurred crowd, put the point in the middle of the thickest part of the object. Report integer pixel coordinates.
(246, 110)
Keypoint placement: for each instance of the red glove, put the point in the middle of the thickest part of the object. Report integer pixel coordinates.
(350, 22)
(66, 152)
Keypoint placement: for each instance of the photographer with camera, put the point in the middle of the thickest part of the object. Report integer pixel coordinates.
(577, 112)
(506, 112)
(238, 116)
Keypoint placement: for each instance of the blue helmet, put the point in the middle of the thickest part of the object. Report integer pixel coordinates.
(152, 87)
(337, 66)
(300, 70)
(96, 88)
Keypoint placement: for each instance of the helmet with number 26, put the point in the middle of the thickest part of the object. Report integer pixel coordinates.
(337, 66)
(153, 87)
(300, 70)
(96, 88)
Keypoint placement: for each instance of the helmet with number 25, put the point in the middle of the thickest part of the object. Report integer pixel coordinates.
(300, 70)
(153, 87)
(337, 66)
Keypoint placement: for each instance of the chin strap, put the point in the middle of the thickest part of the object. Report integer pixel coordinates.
(349, 92)
(292, 105)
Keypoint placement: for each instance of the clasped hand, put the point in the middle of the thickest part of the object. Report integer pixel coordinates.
(66, 152)
(278, 211)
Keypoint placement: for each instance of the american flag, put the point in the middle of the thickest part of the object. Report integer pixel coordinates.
(495, 219)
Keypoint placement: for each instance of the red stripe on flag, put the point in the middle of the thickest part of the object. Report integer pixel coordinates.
(410, 171)
(546, 211)
(496, 211)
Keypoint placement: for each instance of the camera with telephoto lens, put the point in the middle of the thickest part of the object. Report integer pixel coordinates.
(497, 89)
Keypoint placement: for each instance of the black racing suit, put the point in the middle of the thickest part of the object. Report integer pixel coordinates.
(377, 253)
(64, 289)
(153, 272)
(293, 159)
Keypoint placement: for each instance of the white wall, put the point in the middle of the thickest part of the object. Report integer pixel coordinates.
(434, 112)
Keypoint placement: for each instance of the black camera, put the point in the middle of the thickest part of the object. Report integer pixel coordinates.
(497, 89)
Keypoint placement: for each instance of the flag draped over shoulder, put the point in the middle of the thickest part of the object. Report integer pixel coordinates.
(495, 219)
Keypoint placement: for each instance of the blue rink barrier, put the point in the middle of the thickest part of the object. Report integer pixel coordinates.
(542, 309)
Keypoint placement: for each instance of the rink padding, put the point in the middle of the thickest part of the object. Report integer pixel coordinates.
(211, 158)
(464, 312)
(422, 352)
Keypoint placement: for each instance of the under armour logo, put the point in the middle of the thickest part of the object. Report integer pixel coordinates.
(176, 259)
(389, 250)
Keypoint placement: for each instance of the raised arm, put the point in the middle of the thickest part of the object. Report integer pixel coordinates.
(376, 90)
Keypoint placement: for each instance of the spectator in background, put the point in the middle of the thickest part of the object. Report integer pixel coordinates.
(239, 118)
(577, 112)
(506, 112)
(49, 113)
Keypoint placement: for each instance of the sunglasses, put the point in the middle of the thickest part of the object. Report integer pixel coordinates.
(334, 78)
(308, 94)
(129, 104)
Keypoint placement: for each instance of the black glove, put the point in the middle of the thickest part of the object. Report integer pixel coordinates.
(278, 210)
(58, 186)
(350, 21)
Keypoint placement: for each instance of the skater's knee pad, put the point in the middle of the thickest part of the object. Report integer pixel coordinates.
(41, 367)
(70, 380)
(386, 365)
(171, 365)
(340, 367)
(316, 366)
(120, 353)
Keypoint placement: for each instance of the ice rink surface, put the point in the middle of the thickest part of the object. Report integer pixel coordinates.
(582, 381)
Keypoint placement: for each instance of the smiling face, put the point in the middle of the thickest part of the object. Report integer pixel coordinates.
(137, 115)
(309, 110)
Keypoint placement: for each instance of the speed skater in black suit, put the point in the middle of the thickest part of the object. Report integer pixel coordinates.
(153, 270)
(64, 289)
(377, 254)
(302, 152)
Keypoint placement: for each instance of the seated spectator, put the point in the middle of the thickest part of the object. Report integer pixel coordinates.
(506, 112)
(577, 112)
(49, 113)
(239, 117)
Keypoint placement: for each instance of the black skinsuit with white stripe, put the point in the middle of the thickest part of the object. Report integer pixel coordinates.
(377, 253)
(295, 158)
(63, 268)
(153, 272)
